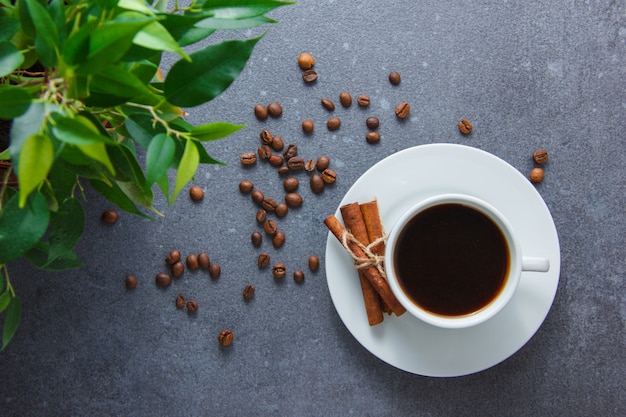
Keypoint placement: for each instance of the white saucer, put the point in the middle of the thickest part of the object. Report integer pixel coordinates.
(407, 343)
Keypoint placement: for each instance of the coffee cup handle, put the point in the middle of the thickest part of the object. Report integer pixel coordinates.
(535, 264)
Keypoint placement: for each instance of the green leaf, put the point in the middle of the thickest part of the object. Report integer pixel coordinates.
(10, 58)
(159, 157)
(5, 299)
(241, 9)
(205, 158)
(9, 26)
(114, 194)
(187, 167)
(47, 35)
(234, 24)
(210, 72)
(25, 126)
(14, 102)
(36, 159)
(77, 130)
(183, 29)
(155, 36)
(76, 47)
(98, 152)
(26, 22)
(120, 85)
(215, 130)
(21, 228)
(136, 5)
(38, 256)
(66, 228)
(11, 321)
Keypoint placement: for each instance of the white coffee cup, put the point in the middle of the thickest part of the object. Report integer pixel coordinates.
(517, 263)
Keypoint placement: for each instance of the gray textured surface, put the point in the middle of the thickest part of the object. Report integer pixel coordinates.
(527, 74)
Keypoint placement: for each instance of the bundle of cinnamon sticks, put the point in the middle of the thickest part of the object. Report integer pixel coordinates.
(363, 238)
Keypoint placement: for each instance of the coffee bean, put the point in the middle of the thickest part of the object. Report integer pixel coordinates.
(298, 276)
(196, 193)
(248, 292)
(306, 60)
(275, 109)
(248, 158)
(291, 184)
(225, 338)
(270, 227)
(264, 152)
(173, 257)
(204, 261)
(536, 175)
(465, 127)
(215, 270)
(328, 104)
(540, 156)
(278, 239)
(293, 199)
(261, 216)
(314, 263)
(394, 77)
(269, 204)
(309, 165)
(317, 183)
(163, 280)
(178, 268)
(329, 176)
(345, 99)
(402, 110)
(283, 170)
(246, 186)
(192, 306)
(308, 125)
(180, 301)
(278, 144)
(309, 76)
(256, 238)
(260, 112)
(257, 196)
(363, 100)
(279, 270)
(276, 160)
(372, 122)
(281, 210)
(372, 137)
(131, 282)
(110, 216)
(296, 163)
(192, 262)
(263, 260)
(322, 163)
(333, 123)
(290, 151)
(266, 137)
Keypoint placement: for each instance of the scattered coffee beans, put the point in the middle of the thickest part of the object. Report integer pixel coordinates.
(363, 100)
(298, 276)
(281, 210)
(278, 239)
(204, 261)
(306, 61)
(284, 170)
(264, 152)
(536, 175)
(215, 270)
(329, 176)
(246, 186)
(308, 125)
(317, 183)
(372, 122)
(180, 301)
(276, 160)
(270, 227)
(322, 163)
(296, 163)
(260, 112)
(540, 156)
(291, 184)
(314, 263)
(178, 268)
(266, 137)
(372, 137)
(256, 238)
(192, 306)
(192, 262)
(275, 109)
(293, 199)
(225, 338)
(163, 280)
(290, 151)
(269, 204)
(402, 110)
(333, 123)
(263, 260)
(309, 76)
(278, 144)
(110, 216)
(345, 99)
(279, 270)
(131, 282)
(328, 104)
(248, 292)
(394, 77)
(465, 127)
(248, 158)
(261, 216)
(196, 193)
(257, 196)
(309, 165)
(173, 257)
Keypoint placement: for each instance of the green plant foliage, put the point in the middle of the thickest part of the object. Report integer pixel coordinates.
(81, 82)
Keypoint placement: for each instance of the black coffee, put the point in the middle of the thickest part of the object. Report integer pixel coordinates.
(451, 260)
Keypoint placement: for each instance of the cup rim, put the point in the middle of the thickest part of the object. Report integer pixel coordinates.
(486, 312)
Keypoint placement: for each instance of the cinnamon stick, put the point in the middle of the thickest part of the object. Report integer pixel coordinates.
(370, 272)
(355, 224)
